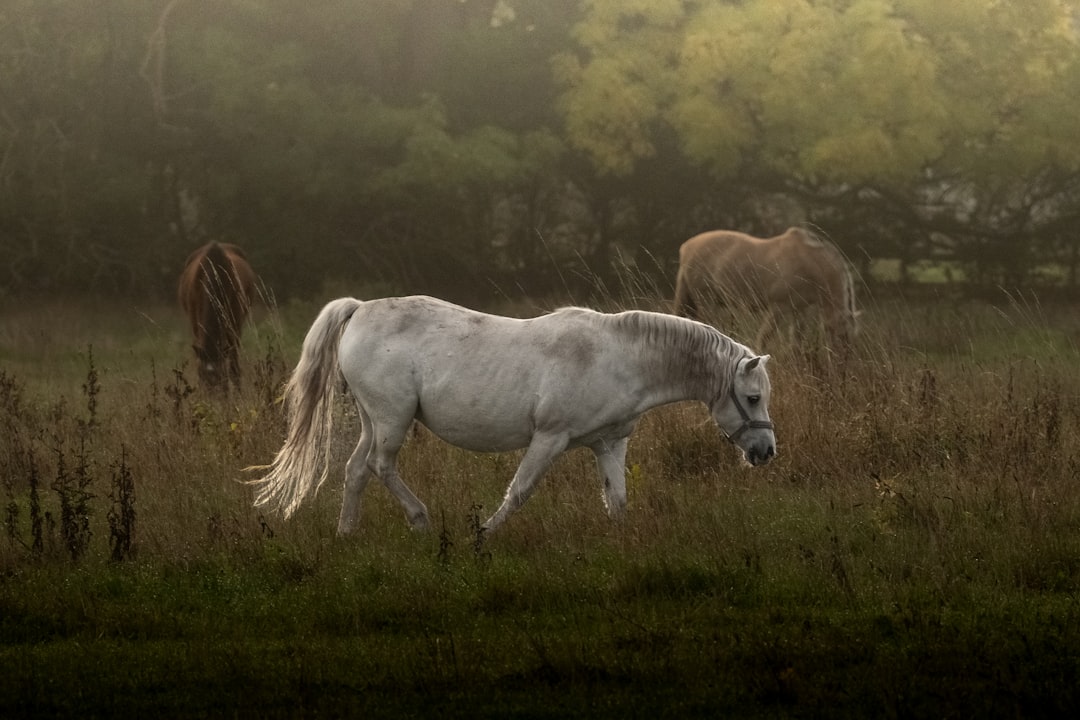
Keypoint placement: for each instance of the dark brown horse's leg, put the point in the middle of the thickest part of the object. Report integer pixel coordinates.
(233, 368)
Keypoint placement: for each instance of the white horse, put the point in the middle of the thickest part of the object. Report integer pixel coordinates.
(486, 383)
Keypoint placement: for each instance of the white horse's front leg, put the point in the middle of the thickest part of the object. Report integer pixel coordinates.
(543, 449)
(611, 461)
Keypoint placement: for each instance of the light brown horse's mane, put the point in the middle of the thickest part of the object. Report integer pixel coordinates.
(843, 265)
(817, 241)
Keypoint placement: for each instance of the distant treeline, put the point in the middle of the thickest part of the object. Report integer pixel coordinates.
(471, 147)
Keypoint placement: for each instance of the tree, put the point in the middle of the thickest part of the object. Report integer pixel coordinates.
(914, 107)
(70, 143)
(445, 146)
(329, 140)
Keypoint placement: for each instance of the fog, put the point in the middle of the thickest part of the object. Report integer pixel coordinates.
(489, 149)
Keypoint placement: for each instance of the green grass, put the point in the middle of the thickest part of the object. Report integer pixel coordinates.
(913, 551)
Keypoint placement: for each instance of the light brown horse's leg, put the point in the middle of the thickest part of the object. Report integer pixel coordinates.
(768, 327)
(684, 304)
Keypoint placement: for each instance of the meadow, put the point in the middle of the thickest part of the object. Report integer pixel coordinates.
(913, 551)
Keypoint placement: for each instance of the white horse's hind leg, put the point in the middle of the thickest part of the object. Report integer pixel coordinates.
(357, 475)
(376, 454)
(389, 436)
(542, 451)
(386, 469)
(611, 460)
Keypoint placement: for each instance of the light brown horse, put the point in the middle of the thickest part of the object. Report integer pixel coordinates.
(217, 287)
(781, 274)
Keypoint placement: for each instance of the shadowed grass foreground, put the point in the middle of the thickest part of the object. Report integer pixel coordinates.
(914, 550)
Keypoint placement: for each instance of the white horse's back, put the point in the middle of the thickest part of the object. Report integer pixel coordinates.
(441, 364)
(485, 382)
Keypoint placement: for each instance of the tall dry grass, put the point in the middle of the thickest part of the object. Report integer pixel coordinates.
(946, 426)
(915, 547)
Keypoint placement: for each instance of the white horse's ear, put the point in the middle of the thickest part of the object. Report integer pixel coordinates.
(765, 359)
(752, 363)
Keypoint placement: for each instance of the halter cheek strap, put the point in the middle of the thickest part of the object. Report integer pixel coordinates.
(747, 423)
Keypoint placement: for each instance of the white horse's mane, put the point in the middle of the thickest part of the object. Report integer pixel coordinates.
(684, 348)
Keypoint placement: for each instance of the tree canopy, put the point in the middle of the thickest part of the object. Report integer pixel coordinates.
(455, 146)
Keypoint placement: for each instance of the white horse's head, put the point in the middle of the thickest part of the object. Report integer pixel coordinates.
(743, 414)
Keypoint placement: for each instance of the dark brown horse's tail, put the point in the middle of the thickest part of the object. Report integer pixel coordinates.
(300, 467)
(221, 278)
(215, 254)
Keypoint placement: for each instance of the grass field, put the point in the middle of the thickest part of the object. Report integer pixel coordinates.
(914, 551)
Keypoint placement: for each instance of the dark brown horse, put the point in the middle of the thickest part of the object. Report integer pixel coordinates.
(216, 291)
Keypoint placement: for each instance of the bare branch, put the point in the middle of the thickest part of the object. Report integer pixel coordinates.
(153, 65)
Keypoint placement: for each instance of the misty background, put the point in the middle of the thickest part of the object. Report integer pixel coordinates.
(480, 148)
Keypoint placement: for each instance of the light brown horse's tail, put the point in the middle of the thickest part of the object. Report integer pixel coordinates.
(300, 467)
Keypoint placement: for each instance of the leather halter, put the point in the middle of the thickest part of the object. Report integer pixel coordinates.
(747, 423)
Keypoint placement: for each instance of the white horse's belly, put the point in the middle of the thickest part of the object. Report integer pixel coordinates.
(478, 403)
(483, 425)
(473, 431)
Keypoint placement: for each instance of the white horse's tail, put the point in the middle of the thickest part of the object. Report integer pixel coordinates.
(300, 467)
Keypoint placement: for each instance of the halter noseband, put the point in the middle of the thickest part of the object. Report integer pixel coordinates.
(747, 423)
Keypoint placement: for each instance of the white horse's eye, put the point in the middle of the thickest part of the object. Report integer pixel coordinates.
(753, 399)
